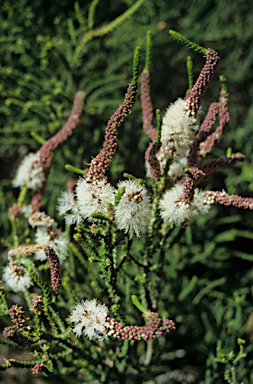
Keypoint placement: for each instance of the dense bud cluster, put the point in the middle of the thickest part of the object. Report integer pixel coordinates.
(54, 264)
(198, 90)
(156, 328)
(101, 162)
(147, 110)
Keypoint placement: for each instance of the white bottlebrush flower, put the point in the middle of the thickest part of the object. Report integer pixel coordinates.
(54, 238)
(178, 128)
(133, 211)
(16, 277)
(67, 207)
(90, 318)
(176, 169)
(93, 197)
(176, 211)
(29, 173)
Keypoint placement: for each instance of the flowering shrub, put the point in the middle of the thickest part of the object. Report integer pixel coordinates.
(117, 239)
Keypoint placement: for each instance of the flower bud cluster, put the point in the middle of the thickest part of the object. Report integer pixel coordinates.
(156, 328)
(54, 264)
(101, 162)
(19, 332)
(147, 110)
(37, 368)
(14, 212)
(198, 90)
(207, 145)
(223, 198)
(153, 162)
(47, 149)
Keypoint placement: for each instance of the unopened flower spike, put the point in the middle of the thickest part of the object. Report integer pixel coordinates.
(102, 161)
(153, 149)
(47, 150)
(54, 264)
(146, 104)
(203, 142)
(197, 93)
(224, 119)
(223, 198)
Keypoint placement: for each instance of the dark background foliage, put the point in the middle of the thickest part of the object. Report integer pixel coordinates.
(37, 87)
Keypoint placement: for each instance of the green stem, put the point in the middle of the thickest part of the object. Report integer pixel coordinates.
(181, 39)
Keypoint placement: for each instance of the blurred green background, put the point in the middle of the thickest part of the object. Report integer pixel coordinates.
(38, 81)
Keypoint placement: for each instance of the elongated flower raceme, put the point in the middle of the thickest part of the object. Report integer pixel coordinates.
(54, 268)
(102, 161)
(91, 318)
(47, 150)
(133, 211)
(147, 109)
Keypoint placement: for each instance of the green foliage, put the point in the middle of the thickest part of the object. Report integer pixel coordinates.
(189, 72)
(177, 36)
(159, 125)
(148, 51)
(38, 82)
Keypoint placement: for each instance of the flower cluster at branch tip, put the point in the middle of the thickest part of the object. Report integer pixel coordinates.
(52, 237)
(67, 207)
(178, 129)
(19, 332)
(94, 197)
(207, 145)
(40, 219)
(198, 90)
(16, 277)
(91, 318)
(37, 368)
(30, 173)
(133, 211)
(54, 268)
(176, 210)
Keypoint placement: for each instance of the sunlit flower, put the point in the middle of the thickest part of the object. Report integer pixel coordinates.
(16, 277)
(90, 318)
(53, 237)
(176, 211)
(133, 211)
(93, 197)
(68, 208)
(178, 128)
